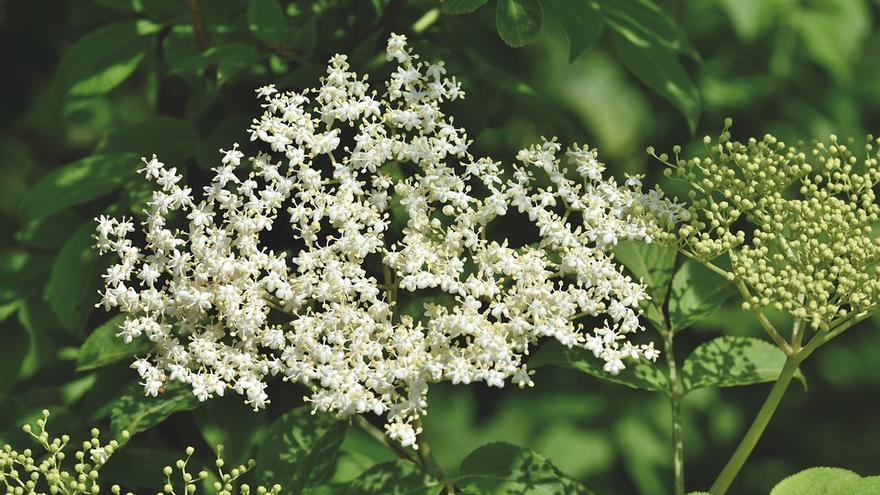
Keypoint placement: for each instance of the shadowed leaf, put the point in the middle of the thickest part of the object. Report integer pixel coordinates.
(638, 374)
(394, 478)
(503, 468)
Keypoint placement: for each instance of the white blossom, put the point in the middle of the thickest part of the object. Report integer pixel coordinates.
(387, 208)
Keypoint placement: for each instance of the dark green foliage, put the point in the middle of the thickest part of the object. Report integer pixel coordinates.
(91, 86)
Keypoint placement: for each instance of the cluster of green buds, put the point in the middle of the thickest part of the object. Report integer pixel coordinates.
(227, 483)
(27, 472)
(795, 223)
(22, 473)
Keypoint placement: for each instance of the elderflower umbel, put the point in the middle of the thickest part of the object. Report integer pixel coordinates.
(796, 223)
(385, 204)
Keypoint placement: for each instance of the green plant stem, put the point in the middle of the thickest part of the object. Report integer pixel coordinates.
(377, 434)
(675, 397)
(747, 444)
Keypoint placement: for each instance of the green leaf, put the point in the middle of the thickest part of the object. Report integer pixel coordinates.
(134, 412)
(456, 7)
(732, 361)
(750, 17)
(16, 343)
(519, 21)
(394, 478)
(833, 32)
(21, 272)
(228, 421)
(169, 138)
(583, 22)
(658, 67)
(51, 231)
(73, 282)
(77, 183)
(103, 347)
(102, 59)
(815, 481)
(638, 374)
(696, 293)
(654, 264)
(647, 23)
(267, 20)
(503, 468)
(300, 450)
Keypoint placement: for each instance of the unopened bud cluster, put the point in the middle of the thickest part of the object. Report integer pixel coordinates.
(796, 222)
(48, 469)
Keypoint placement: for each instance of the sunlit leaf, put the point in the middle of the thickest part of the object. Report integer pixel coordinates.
(78, 182)
(817, 481)
(519, 21)
(103, 347)
(732, 361)
(102, 59)
(750, 17)
(833, 32)
(638, 374)
(503, 468)
(134, 412)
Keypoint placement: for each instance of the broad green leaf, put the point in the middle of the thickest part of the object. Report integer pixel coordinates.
(815, 481)
(134, 412)
(266, 19)
(77, 183)
(46, 335)
(519, 21)
(16, 343)
(750, 17)
(583, 21)
(658, 67)
(140, 467)
(696, 292)
(228, 421)
(654, 264)
(648, 23)
(103, 347)
(21, 272)
(102, 59)
(503, 468)
(300, 450)
(638, 374)
(170, 138)
(864, 486)
(73, 282)
(833, 32)
(394, 478)
(456, 7)
(732, 361)
(51, 231)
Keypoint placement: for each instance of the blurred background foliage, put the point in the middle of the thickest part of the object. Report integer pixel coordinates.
(92, 84)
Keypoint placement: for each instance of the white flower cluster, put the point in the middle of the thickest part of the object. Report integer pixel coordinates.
(401, 213)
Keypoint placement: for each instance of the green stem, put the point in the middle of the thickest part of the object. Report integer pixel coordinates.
(747, 444)
(675, 396)
(380, 437)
